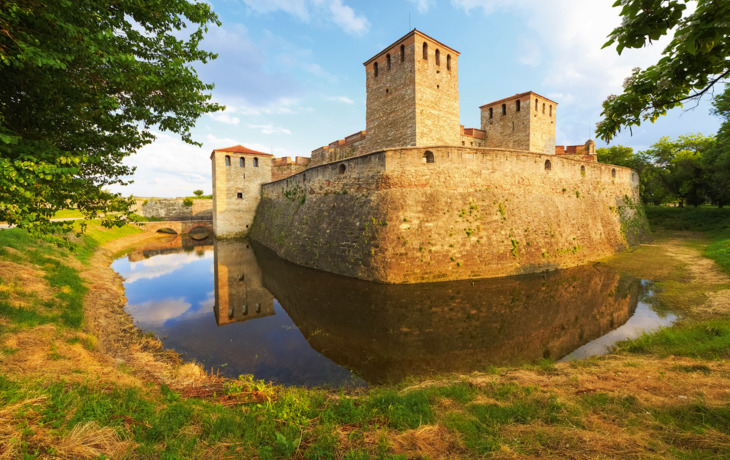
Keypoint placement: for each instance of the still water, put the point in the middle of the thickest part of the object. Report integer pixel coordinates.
(236, 307)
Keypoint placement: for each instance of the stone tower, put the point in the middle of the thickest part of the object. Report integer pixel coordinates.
(522, 122)
(238, 173)
(413, 94)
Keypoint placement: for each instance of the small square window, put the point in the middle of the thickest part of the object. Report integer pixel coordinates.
(239, 195)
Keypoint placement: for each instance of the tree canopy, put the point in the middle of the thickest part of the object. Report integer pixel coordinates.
(83, 84)
(671, 170)
(697, 58)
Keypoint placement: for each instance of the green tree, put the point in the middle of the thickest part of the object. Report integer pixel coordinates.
(198, 193)
(83, 83)
(679, 168)
(697, 58)
(716, 161)
(617, 155)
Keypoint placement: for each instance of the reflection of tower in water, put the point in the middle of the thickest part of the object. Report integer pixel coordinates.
(239, 291)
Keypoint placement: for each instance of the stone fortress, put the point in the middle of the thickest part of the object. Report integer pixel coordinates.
(416, 197)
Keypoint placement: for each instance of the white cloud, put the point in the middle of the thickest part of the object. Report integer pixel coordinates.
(347, 19)
(423, 5)
(155, 312)
(565, 40)
(157, 266)
(343, 99)
(334, 11)
(270, 129)
(225, 116)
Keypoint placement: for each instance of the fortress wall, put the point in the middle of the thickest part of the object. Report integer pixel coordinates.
(472, 213)
(173, 208)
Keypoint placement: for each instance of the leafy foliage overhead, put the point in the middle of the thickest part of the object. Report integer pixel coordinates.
(697, 58)
(83, 82)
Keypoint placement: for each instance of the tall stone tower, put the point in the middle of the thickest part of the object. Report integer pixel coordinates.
(524, 121)
(413, 94)
(238, 173)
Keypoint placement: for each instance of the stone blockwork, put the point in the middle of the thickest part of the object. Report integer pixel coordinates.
(393, 216)
(471, 137)
(521, 122)
(238, 173)
(350, 146)
(173, 208)
(284, 167)
(586, 152)
(412, 94)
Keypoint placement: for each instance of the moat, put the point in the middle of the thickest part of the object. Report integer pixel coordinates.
(237, 308)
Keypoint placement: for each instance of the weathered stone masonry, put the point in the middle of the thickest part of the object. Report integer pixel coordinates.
(390, 216)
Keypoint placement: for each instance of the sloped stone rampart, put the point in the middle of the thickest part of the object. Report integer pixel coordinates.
(393, 217)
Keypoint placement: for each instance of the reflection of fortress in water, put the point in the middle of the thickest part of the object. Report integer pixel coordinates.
(170, 245)
(388, 332)
(239, 291)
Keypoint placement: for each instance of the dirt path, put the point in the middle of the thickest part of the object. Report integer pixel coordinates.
(702, 271)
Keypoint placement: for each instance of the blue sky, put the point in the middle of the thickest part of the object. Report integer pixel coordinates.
(290, 73)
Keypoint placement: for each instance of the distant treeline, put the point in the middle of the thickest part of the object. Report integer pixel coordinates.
(690, 170)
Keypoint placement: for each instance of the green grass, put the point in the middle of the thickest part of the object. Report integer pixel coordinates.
(97, 236)
(714, 222)
(702, 339)
(67, 213)
(700, 219)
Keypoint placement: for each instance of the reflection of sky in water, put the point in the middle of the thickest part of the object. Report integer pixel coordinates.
(172, 296)
(645, 319)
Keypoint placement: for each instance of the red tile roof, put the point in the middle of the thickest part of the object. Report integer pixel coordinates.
(242, 149)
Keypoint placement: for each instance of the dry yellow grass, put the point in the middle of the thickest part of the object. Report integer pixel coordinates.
(85, 441)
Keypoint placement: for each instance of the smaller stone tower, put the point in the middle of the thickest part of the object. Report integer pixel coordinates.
(524, 121)
(238, 173)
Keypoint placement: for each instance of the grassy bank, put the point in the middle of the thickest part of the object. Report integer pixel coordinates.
(65, 393)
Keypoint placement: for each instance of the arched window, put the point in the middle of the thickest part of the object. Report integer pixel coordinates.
(342, 168)
(491, 113)
(402, 53)
(425, 51)
(255, 162)
(548, 165)
(613, 172)
(535, 104)
(582, 170)
(387, 60)
(228, 160)
(438, 57)
(428, 157)
(448, 62)
(304, 178)
(517, 105)
(375, 69)
(504, 109)
(551, 110)
(242, 162)
(244, 310)
(543, 108)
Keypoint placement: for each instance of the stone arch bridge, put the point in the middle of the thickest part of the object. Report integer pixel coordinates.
(179, 227)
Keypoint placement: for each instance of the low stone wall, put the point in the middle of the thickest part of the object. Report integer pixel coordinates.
(394, 217)
(174, 208)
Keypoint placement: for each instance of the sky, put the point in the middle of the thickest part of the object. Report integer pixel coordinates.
(291, 77)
